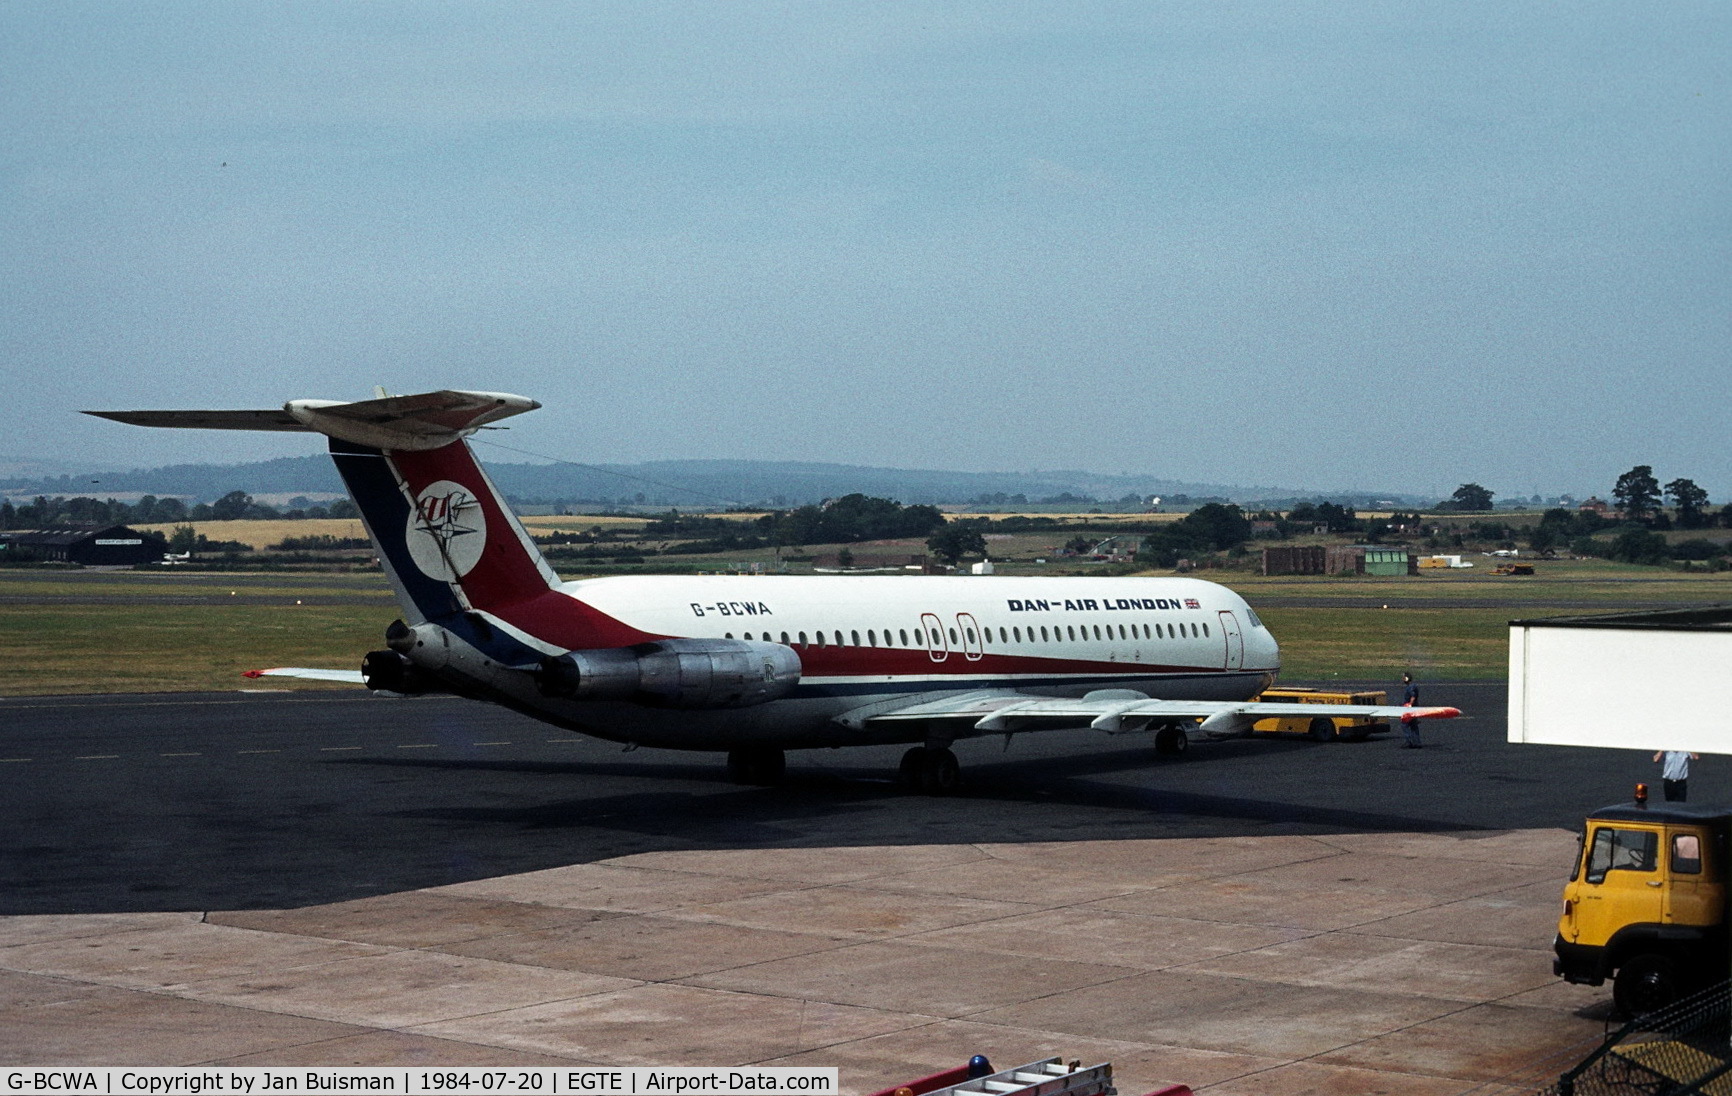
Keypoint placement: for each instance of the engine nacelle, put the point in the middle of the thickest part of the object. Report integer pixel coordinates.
(675, 673)
(388, 671)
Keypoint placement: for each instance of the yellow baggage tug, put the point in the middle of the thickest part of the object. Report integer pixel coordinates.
(1323, 728)
(1646, 903)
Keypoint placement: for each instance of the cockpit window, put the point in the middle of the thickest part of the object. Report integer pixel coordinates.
(1252, 613)
(1621, 850)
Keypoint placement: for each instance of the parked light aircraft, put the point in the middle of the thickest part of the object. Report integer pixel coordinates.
(757, 665)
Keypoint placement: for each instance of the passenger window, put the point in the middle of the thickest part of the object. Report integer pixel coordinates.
(802, 639)
(784, 639)
(1205, 631)
(1043, 633)
(1097, 631)
(854, 638)
(1621, 850)
(819, 636)
(871, 638)
(1686, 854)
(904, 635)
(727, 635)
(970, 633)
(953, 637)
(1146, 634)
(1122, 634)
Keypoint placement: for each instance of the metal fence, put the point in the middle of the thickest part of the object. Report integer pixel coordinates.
(1682, 1050)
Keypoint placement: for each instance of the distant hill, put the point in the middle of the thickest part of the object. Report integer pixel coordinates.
(680, 483)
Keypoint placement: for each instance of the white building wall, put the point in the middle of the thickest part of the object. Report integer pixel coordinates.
(1641, 688)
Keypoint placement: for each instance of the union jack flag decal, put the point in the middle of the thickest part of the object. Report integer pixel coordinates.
(1193, 603)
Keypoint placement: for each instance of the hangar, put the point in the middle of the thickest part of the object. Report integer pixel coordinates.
(89, 545)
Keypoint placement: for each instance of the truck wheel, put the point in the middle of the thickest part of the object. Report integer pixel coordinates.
(1171, 742)
(1646, 983)
(1322, 729)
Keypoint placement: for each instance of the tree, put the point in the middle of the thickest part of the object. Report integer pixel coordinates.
(956, 540)
(1639, 546)
(1220, 527)
(233, 505)
(1637, 492)
(1689, 499)
(1469, 497)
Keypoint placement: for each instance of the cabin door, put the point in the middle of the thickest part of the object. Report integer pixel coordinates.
(1234, 656)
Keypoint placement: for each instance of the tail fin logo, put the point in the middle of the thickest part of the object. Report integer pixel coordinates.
(447, 531)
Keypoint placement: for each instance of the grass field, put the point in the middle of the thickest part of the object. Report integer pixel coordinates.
(64, 633)
(62, 649)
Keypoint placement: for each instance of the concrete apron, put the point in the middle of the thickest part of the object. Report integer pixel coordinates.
(1359, 963)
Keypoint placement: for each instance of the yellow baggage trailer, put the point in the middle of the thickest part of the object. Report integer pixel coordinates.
(1323, 728)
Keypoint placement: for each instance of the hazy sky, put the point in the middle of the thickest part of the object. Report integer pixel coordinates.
(1394, 246)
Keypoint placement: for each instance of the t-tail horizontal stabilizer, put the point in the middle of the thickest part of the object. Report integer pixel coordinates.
(426, 421)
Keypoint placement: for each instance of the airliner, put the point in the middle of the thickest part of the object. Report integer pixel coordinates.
(758, 665)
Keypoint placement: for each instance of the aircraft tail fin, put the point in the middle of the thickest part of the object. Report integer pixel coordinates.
(449, 542)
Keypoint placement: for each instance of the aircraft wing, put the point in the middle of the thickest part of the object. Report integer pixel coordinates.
(351, 677)
(995, 712)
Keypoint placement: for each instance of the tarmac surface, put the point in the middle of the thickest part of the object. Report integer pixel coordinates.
(333, 878)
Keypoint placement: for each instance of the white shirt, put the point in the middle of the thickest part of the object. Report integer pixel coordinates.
(1675, 765)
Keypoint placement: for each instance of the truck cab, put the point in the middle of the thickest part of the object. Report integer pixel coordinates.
(1645, 904)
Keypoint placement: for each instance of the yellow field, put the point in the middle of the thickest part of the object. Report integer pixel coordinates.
(261, 534)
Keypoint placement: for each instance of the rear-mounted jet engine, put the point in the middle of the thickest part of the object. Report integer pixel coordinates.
(674, 673)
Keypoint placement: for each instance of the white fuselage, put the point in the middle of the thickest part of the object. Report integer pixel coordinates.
(862, 640)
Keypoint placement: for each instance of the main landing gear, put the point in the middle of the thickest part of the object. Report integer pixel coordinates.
(1171, 741)
(761, 766)
(929, 770)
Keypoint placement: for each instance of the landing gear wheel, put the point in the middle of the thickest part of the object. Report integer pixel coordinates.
(1322, 729)
(929, 771)
(940, 775)
(1171, 742)
(908, 773)
(1646, 983)
(759, 766)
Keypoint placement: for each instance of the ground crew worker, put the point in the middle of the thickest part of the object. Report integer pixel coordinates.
(1409, 723)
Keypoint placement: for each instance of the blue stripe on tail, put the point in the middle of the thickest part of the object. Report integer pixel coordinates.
(386, 511)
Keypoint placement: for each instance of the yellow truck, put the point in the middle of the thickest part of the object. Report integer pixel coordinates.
(1646, 903)
(1321, 727)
